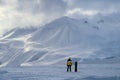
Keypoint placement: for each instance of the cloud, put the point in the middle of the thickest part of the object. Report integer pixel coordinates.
(22, 13)
(44, 6)
(78, 11)
(89, 8)
(94, 4)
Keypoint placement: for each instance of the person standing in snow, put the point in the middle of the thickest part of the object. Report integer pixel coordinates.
(69, 64)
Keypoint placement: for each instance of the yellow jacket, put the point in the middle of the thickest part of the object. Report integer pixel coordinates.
(69, 63)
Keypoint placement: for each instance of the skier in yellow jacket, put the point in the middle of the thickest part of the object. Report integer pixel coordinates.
(69, 64)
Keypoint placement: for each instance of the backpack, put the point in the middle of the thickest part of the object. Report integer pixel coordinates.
(69, 63)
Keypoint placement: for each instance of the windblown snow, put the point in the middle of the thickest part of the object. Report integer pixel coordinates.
(85, 40)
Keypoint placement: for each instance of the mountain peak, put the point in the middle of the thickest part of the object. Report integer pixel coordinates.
(64, 19)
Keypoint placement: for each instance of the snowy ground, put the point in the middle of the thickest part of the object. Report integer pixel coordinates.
(58, 72)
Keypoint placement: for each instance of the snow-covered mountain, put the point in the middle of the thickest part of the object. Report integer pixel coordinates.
(65, 32)
(62, 38)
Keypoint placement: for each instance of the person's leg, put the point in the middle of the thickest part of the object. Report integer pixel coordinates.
(70, 68)
(67, 68)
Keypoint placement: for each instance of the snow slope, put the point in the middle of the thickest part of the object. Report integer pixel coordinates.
(62, 38)
(58, 72)
(65, 32)
(18, 32)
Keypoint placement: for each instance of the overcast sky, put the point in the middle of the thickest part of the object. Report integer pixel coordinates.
(22, 13)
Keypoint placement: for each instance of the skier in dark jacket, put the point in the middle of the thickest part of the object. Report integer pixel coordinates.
(69, 64)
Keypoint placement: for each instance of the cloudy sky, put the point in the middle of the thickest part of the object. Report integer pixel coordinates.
(22, 13)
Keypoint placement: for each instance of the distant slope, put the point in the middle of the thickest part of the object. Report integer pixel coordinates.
(18, 32)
